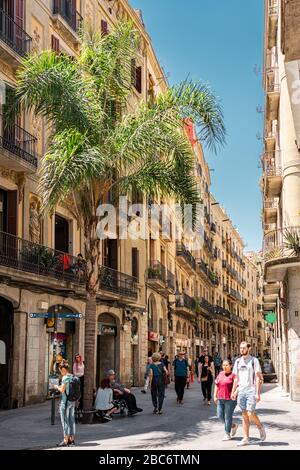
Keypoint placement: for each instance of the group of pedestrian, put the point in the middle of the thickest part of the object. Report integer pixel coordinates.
(235, 384)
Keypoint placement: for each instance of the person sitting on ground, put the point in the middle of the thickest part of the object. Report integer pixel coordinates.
(120, 390)
(104, 400)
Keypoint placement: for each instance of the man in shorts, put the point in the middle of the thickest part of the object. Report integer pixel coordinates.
(247, 387)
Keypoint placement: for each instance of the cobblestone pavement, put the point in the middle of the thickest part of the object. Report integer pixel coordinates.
(192, 425)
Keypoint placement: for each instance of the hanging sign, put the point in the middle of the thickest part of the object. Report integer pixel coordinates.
(270, 317)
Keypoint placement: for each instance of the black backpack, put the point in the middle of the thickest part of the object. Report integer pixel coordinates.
(74, 389)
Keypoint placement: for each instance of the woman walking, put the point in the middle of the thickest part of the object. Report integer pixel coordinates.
(222, 398)
(205, 376)
(157, 375)
(78, 371)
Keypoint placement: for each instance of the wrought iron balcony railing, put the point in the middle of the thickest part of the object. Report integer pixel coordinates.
(13, 35)
(206, 305)
(65, 9)
(117, 282)
(18, 141)
(34, 258)
(186, 301)
(181, 250)
(157, 270)
(222, 311)
(170, 280)
(282, 243)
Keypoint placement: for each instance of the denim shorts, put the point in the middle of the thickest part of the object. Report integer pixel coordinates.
(247, 400)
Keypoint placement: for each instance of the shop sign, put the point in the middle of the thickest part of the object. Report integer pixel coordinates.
(270, 317)
(161, 340)
(152, 336)
(197, 342)
(107, 330)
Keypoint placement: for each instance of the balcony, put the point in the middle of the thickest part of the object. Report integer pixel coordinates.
(281, 249)
(235, 295)
(224, 264)
(272, 174)
(207, 308)
(186, 305)
(117, 283)
(19, 148)
(170, 281)
(25, 256)
(272, 85)
(270, 210)
(157, 276)
(14, 41)
(67, 20)
(185, 258)
(223, 312)
(237, 320)
(226, 289)
(210, 275)
(270, 227)
(272, 21)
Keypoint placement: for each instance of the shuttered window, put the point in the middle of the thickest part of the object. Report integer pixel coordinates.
(135, 263)
(54, 43)
(136, 76)
(104, 28)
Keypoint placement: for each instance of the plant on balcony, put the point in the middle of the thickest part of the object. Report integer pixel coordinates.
(197, 305)
(95, 147)
(39, 258)
(154, 273)
(292, 241)
(273, 254)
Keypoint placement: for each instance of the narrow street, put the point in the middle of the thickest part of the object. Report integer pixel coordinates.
(193, 426)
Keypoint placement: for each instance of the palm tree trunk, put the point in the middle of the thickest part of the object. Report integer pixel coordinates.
(90, 346)
(93, 256)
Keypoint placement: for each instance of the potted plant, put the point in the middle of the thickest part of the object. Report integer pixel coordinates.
(292, 241)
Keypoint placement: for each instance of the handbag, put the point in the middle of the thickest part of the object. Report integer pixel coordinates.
(204, 379)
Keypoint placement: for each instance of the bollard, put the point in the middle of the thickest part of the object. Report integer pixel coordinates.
(53, 408)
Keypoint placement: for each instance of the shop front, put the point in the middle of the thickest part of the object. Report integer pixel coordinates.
(153, 341)
(108, 346)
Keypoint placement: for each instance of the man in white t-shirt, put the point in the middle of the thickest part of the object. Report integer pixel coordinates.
(247, 387)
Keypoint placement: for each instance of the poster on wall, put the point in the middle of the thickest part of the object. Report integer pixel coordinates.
(61, 344)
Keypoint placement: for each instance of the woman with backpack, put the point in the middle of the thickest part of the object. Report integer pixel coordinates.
(70, 393)
(157, 374)
(206, 376)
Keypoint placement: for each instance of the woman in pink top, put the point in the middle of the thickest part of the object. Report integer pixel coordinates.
(222, 393)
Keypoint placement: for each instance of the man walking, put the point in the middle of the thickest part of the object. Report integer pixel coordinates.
(180, 375)
(217, 363)
(247, 386)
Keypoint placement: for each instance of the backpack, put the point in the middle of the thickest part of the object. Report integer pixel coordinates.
(74, 389)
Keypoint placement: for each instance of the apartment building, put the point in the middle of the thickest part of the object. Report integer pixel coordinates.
(281, 188)
(157, 293)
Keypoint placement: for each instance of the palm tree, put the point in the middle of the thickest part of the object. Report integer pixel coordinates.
(96, 144)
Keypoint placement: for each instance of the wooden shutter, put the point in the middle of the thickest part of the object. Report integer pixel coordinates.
(104, 28)
(133, 71)
(19, 12)
(54, 43)
(135, 262)
(12, 212)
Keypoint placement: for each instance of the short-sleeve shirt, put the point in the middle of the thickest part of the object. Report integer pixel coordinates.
(66, 380)
(246, 370)
(225, 384)
(180, 367)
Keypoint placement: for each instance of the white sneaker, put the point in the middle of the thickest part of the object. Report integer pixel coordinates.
(244, 442)
(226, 437)
(262, 433)
(234, 430)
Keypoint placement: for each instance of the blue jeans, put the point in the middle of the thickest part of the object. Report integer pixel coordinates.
(67, 417)
(225, 413)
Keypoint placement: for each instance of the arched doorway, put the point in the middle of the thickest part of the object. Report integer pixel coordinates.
(6, 351)
(62, 342)
(107, 345)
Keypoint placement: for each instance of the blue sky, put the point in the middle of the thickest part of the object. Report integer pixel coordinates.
(220, 42)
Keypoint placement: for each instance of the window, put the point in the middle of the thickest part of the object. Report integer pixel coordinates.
(136, 76)
(104, 28)
(135, 262)
(54, 43)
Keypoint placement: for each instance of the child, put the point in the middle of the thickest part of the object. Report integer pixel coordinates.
(104, 400)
